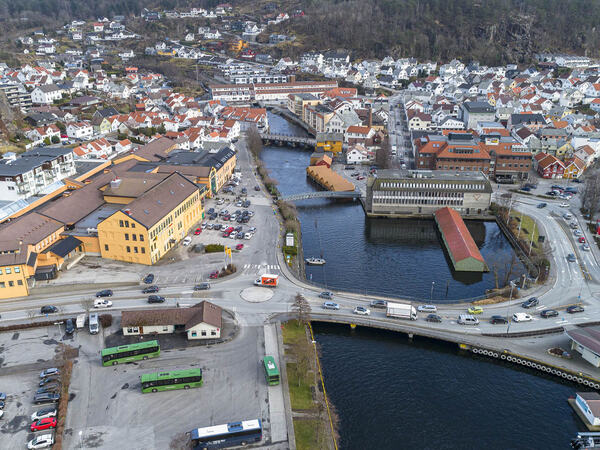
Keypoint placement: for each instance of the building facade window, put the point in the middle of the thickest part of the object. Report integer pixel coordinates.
(126, 236)
(128, 249)
(8, 271)
(20, 282)
(106, 247)
(17, 270)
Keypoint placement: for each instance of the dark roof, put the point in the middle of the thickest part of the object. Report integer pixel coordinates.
(189, 317)
(63, 247)
(28, 229)
(49, 88)
(205, 159)
(588, 337)
(107, 112)
(479, 107)
(156, 150)
(31, 159)
(149, 208)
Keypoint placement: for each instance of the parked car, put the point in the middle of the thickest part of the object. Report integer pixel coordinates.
(52, 371)
(198, 231)
(475, 310)
(2, 396)
(326, 294)
(433, 318)
(109, 293)
(530, 302)
(498, 319)
(148, 279)
(467, 319)
(330, 305)
(521, 317)
(586, 247)
(53, 388)
(203, 226)
(378, 304)
(43, 441)
(542, 205)
(202, 287)
(69, 326)
(187, 241)
(427, 308)
(43, 413)
(571, 257)
(240, 246)
(155, 299)
(257, 188)
(546, 313)
(575, 309)
(214, 274)
(48, 309)
(44, 424)
(51, 379)
(362, 311)
(150, 289)
(46, 398)
(564, 205)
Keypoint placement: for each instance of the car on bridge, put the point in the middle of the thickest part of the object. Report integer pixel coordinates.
(530, 302)
(155, 299)
(48, 309)
(150, 289)
(378, 304)
(475, 310)
(331, 305)
(521, 317)
(427, 308)
(498, 320)
(202, 287)
(326, 294)
(547, 313)
(362, 311)
(467, 319)
(575, 309)
(542, 205)
(108, 292)
(433, 318)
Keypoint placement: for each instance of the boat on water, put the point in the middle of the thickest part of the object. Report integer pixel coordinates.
(315, 261)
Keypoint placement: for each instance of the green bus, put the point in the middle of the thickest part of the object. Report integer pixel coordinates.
(271, 371)
(176, 379)
(133, 352)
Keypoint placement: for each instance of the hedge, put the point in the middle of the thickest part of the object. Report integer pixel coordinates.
(213, 248)
(290, 250)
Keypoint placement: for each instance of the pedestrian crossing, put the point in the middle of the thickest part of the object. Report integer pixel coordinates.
(256, 268)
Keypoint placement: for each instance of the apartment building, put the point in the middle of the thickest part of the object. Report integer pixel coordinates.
(34, 171)
(268, 92)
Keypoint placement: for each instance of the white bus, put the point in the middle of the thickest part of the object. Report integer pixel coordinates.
(227, 435)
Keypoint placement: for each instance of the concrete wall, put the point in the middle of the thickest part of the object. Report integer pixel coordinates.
(157, 329)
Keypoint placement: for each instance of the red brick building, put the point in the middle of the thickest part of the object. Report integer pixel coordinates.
(457, 151)
(548, 166)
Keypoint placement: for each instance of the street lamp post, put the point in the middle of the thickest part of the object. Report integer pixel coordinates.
(512, 286)
(431, 294)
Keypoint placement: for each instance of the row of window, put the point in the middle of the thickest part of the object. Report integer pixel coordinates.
(46, 241)
(161, 226)
(8, 270)
(128, 249)
(203, 333)
(413, 185)
(468, 168)
(171, 381)
(11, 283)
(408, 201)
(125, 224)
(134, 237)
(185, 206)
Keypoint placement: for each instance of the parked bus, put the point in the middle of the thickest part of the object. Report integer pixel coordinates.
(227, 435)
(127, 353)
(271, 371)
(176, 379)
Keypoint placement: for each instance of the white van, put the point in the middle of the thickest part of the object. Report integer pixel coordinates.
(94, 327)
(102, 303)
(468, 319)
(521, 317)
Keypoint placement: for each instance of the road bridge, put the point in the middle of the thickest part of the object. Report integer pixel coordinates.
(322, 194)
(288, 139)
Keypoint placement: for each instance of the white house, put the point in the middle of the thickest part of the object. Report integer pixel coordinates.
(198, 322)
(46, 94)
(357, 155)
(80, 130)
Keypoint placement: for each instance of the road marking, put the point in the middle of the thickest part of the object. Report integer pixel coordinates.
(540, 307)
(563, 321)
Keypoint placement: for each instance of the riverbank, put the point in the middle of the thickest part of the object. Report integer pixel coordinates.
(314, 425)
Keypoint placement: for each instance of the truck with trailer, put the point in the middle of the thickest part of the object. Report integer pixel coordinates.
(267, 280)
(401, 311)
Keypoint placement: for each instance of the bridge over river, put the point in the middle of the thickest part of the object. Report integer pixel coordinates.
(322, 194)
(288, 139)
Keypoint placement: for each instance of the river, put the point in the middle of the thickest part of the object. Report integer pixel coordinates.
(392, 393)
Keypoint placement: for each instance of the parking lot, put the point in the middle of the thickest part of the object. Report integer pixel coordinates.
(23, 355)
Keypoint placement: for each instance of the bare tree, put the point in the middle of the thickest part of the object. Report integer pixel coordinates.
(254, 142)
(383, 155)
(87, 304)
(30, 313)
(302, 308)
(504, 205)
(590, 198)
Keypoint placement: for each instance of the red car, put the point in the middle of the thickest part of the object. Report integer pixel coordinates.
(214, 274)
(44, 424)
(581, 239)
(198, 231)
(239, 246)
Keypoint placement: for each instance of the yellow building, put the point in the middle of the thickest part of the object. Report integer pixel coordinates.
(147, 227)
(21, 241)
(297, 102)
(574, 168)
(329, 142)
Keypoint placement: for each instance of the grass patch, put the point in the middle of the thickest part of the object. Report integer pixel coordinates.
(292, 331)
(527, 226)
(300, 395)
(306, 434)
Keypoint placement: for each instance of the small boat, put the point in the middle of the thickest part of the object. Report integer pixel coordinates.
(315, 261)
(559, 352)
